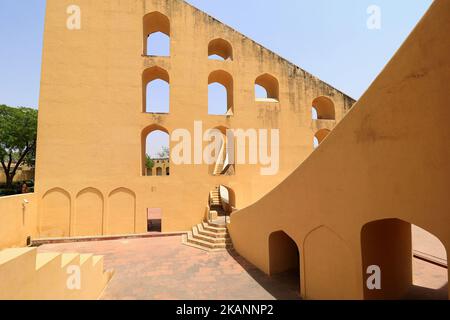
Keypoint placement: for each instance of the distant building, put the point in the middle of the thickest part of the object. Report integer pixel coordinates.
(161, 167)
(23, 173)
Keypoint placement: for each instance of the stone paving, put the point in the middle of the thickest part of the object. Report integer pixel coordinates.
(430, 281)
(164, 269)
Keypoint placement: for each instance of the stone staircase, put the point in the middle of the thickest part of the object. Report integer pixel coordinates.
(215, 205)
(209, 236)
(212, 234)
(29, 275)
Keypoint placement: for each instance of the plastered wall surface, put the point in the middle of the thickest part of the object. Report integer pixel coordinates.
(384, 167)
(91, 115)
(18, 220)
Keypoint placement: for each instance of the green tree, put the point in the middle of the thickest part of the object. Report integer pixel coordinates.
(18, 131)
(149, 163)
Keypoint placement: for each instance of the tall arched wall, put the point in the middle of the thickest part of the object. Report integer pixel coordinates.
(91, 119)
(388, 158)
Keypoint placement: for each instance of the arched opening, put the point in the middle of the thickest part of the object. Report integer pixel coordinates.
(260, 93)
(220, 93)
(221, 202)
(158, 45)
(156, 90)
(217, 99)
(155, 151)
(284, 260)
(220, 152)
(156, 34)
(387, 245)
(323, 109)
(220, 49)
(315, 116)
(320, 136)
(266, 88)
(228, 198)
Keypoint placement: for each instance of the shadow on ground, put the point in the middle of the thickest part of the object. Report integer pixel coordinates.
(283, 286)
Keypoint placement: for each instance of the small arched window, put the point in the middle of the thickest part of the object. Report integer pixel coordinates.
(323, 109)
(220, 49)
(156, 90)
(220, 93)
(156, 34)
(267, 88)
(155, 146)
(320, 136)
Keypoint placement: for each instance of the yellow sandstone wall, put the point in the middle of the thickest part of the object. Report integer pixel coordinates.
(17, 220)
(91, 115)
(385, 166)
(26, 274)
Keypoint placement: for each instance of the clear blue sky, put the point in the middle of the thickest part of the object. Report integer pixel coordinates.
(325, 37)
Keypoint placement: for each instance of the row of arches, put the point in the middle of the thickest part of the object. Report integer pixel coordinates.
(386, 244)
(156, 30)
(86, 214)
(156, 152)
(156, 93)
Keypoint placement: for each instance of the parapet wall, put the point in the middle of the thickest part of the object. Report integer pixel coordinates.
(18, 220)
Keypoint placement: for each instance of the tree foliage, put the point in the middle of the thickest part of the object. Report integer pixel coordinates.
(149, 163)
(18, 132)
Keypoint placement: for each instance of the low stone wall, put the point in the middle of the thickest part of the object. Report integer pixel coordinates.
(18, 220)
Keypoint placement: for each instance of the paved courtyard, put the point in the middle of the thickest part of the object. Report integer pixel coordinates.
(163, 268)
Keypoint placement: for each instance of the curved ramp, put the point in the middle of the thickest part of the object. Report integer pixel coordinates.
(386, 166)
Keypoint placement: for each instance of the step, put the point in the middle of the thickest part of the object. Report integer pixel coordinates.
(193, 245)
(70, 259)
(212, 215)
(219, 212)
(86, 258)
(206, 238)
(209, 227)
(211, 234)
(219, 222)
(206, 244)
(44, 259)
(97, 260)
(17, 255)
